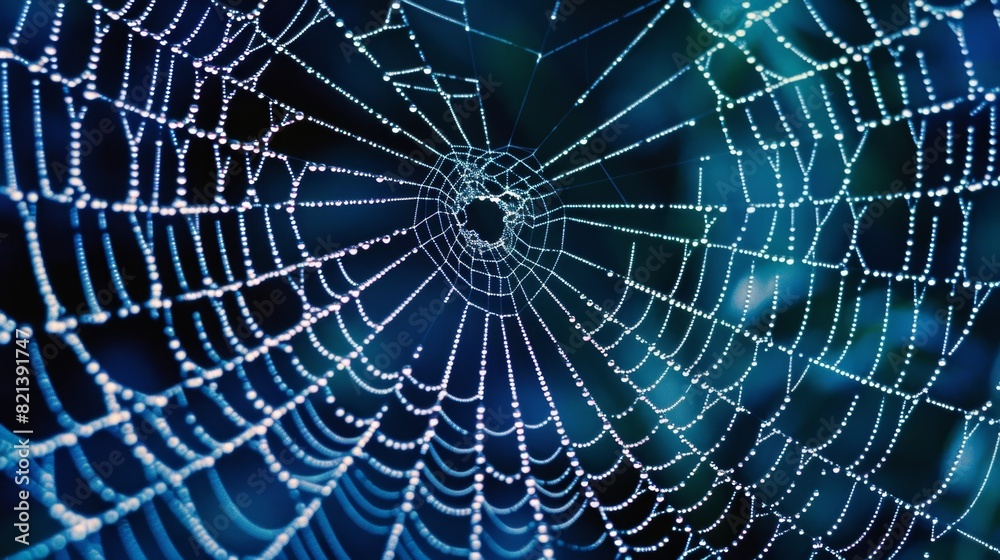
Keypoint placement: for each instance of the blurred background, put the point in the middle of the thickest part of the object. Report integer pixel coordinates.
(741, 305)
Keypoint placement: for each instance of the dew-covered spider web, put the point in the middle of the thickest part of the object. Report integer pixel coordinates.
(445, 278)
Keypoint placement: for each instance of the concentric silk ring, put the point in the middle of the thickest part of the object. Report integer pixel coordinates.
(499, 277)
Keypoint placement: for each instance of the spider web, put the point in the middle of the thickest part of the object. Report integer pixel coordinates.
(730, 303)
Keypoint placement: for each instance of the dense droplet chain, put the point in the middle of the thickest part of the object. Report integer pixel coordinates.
(504, 272)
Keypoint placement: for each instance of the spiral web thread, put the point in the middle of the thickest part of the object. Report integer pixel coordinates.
(511, 426)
